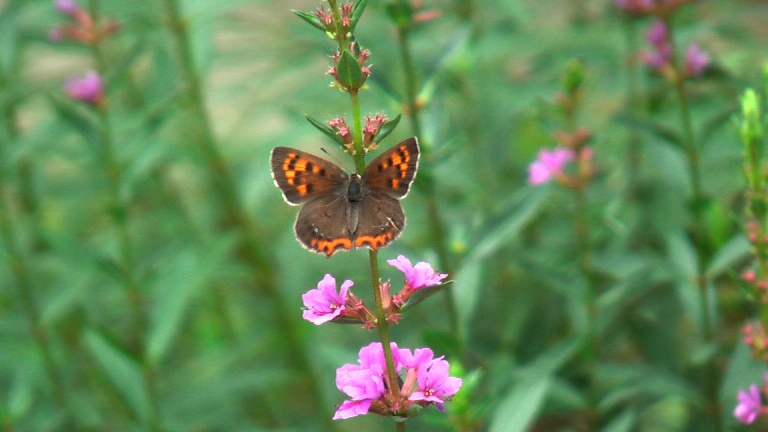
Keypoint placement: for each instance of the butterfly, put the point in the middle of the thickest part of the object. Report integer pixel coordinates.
(342, 210)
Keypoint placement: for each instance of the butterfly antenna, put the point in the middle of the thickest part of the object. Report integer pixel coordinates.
(338, 162)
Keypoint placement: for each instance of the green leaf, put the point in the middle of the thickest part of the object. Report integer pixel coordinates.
(357, 13)
(712, 124)
(350, 72)
(423, 294)
(311, 19)
(734, 251)
(80, 117)
(518, 409)
(625, 422)
(387, 128)
(657, 129)
(513, 217)
(327, 130)
(122, 372)
(683, 255)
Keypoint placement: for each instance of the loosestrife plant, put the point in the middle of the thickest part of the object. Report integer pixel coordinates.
(750, 404)
(387, 380)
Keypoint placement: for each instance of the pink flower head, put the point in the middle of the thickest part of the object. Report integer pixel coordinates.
(88, 89)
(363, 382)
(696, 61)
(750, 405)
(658, 35)
(67, 7)
(324, 303)
(434, 383)
(419, 276)
(548, 165)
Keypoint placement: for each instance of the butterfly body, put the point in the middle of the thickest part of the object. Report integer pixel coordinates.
(344, 210)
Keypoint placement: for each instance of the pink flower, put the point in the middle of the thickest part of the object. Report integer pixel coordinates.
(67, 7)
(548, 165)
(658, 36)
(419, 276)
(88, 89)
(696, 61)
(749, 407)
(324, 304)
(367, 383)
(435, 385)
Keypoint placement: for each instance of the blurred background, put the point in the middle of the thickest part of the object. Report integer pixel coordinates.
(149, 274)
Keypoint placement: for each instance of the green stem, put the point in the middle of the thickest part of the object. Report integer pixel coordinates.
(699, 230)
(22, 276)
(427, 182)
(118, 211)
(382, 323)
(20, 269)
(633, 102)
(254, 252)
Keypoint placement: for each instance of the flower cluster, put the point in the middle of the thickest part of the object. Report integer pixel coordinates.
(374, 130)
(349, 69)
(83, 28)
(756, 339)
(88, 89)
(425, 381)
(551, 164)
(750, 403)
(660, 58)
(326, 304)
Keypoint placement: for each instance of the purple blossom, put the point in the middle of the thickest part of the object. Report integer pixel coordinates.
(696, 61)
(419, 276)
(434, 383)
(324, 303)
(67, 7)
(361, 384)
(87, 89)
(367, 383)
(658, 35)
(749, 407)
(548, 165)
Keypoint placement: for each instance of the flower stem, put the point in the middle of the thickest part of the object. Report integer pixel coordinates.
(383, 325)
(699, 229)
(426, 178)
(118, 211)
(633, 102)
(22, 276)
(253, 250)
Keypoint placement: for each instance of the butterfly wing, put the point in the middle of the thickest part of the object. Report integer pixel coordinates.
(301, 176)
(394, 170)
(380, 222)
(321, 225)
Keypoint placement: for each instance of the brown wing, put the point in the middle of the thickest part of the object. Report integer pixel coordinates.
(394, 170)
(321, 225)
(301, 176)
(380, 222)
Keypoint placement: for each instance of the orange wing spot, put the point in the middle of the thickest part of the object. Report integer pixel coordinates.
(301, 189)
(288, 160)
(330, 246)
(373, 241)
(396, 159)
(395, 183)
(403, 171)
